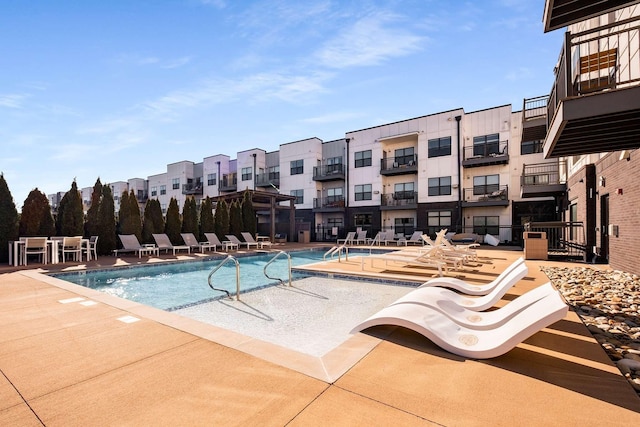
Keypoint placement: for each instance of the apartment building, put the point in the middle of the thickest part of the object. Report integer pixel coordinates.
(592, 118)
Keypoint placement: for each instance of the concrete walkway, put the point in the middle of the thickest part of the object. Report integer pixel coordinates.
(72, 356)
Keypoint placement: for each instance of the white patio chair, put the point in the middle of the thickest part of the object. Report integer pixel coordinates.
(35, 246)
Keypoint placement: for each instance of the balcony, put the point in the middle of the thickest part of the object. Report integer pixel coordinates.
(486, 195)
(594, 103)
(534, 118)
(486, 154)
(192, 189)
(399, 165)
(329, 172)
(543, 179)
(329, 204)
(399, 200)
(271, 179)
(229, 182)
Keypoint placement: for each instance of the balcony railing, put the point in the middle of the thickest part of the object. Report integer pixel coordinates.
(534, 108)
(229, 182)
(596, 60)
(400, 199)
(564, 239)
(399, 165)
(491, 194)
(328, 172)
(192, 189)
(269, 179)
(328, 202)
(484, 154)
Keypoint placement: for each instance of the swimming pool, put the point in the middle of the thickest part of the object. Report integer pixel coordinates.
(171, 286)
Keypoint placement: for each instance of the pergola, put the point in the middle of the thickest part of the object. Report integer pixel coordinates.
(266, 201)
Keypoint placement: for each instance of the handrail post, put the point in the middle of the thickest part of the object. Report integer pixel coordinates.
(229, 257)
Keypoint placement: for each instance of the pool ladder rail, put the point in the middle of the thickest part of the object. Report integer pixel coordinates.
(337, 250)
(232, 258)
(272, 260)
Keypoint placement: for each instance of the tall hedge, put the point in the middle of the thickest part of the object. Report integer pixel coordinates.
(235, 218)
(70, 219)
(190, 217)
(36, 219)
(9, 222)
(129, 221)
(248, 214)
(153, 221)
(107, 239)
(207, 224)
(173, 225)
(91, 224)
(221, 219)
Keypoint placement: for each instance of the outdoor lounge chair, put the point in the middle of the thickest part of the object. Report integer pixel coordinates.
(164, 243)
(191, 241)
(233, 239)
(467, 342)
(72, 246)
(415, 239)
(433, 296)
(347, 240)
(361, 238)
(212, 238)
(130, 244)
(471, 289)
(419, 260)
(249, 239)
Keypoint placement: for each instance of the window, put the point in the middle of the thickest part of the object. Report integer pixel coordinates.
(163, 190)
(297, 167)
(404, 226)
(403, 191)
(154, 191)
(531, 147)
(334, 164)
(211, 179)
(404, 156)
(175, 183)
(437, 220)
(363, 158)
(362, 192)
(440, 147)
(362, 220)
(485, 184)
(164, 208)
(299, 194)
(486, 225)
(274, 173)
(334, 222)
(486, 145)
(246, 174)
(334, 195)
(440, 186)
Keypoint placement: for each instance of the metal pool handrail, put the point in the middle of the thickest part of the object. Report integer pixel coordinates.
(337, 250)
(224, 261)
(272, 260)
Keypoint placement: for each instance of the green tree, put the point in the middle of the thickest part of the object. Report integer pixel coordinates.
(235, 218)
(70, 219)
(248, 214)
(190, 217)
(9, 222)
(123, 223)
(221, 219)
(107, 240)
(207, 224)
(173, 225)
(129, 221)
(91, 225)
(136, 218)
(153, 220)
(36, 219)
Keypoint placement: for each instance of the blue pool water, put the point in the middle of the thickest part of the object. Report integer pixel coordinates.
(175, 285)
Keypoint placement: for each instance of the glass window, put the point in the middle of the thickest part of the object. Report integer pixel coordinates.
(440, 147)
(163, 190)
(154, 191)
(334, 164)
(211, 179)
(299, 194)
(246, 174)
(362, 192)
(175, 183)
(403, 191)
(486, 184)
(297, 167)
(334, 195)
(363, 158)
(486, 225)
(274, 172)
(437, 220)
(531, 147)
(486, 145)
(404, 156)
(362, 220)
(440, 186)
(404, 226)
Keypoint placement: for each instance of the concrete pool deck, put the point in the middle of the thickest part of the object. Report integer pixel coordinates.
(71, 363)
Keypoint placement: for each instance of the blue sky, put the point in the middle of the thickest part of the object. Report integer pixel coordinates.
(117, 89)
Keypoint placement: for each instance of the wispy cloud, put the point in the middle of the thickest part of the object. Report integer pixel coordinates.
(370, 41)
(141, 61)
(13, 100)
(335, 117)
(176, 63)
(220, 4)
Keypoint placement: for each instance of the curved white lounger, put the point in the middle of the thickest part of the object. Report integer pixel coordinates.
(470, 289)
(483, 320)
(471, 343)
(433, 296)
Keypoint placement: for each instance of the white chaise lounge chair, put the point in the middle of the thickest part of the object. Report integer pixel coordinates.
(471, 289)
(191, 241)
(212, 238)
(130, 243)
(347, 240)
(249, 239)
(418, 260)
(233, 239)
(164, 243)
(433, 296)
(466, 342)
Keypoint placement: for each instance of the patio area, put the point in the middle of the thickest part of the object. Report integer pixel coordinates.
(73, 356)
